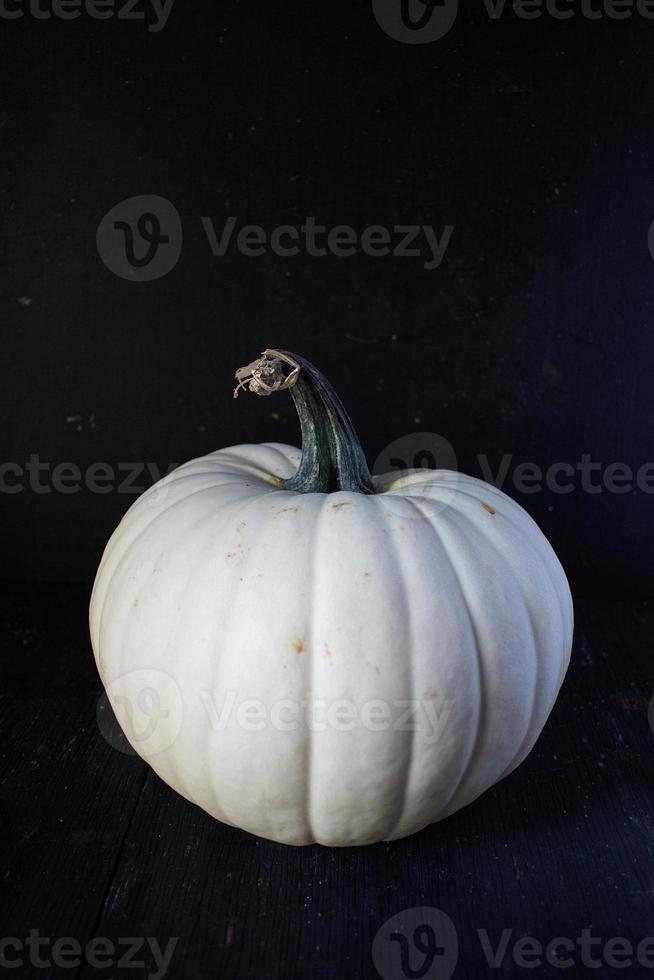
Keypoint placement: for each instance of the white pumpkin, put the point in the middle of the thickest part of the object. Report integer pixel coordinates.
(313, 655)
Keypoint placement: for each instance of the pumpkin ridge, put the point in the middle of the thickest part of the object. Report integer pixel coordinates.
(177, 646)
(225, 629)
(481, 708)
(544, 557)
(478, 526)
(164, 511)
(407, 658)
(121, 558)
(275, 446)
(547, 557)
(309, 670)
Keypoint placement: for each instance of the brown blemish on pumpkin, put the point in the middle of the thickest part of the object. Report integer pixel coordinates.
(287, 510)
(298, 646)
(366, 574)
(487, 507)
(328, 652)
(344, 503)
(432, 695)
(374, 666)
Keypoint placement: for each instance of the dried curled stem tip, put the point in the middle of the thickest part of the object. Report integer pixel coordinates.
(267, 374)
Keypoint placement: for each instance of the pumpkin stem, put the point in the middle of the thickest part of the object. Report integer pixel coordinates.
(332, 457)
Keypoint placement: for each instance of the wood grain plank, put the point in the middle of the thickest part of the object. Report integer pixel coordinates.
(563, 844)
(66, 796)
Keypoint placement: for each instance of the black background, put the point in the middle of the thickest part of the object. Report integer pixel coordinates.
(532, 340)
(533, 337)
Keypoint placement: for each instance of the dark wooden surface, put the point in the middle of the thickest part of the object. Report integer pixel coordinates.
(94, 845)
